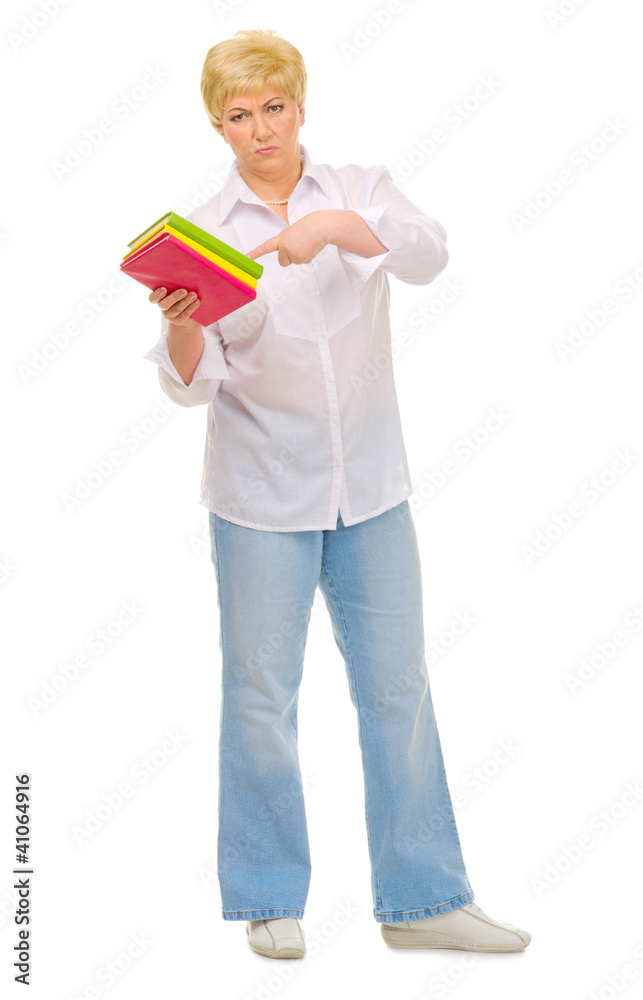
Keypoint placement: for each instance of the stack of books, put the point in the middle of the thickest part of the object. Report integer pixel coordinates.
(174, 253)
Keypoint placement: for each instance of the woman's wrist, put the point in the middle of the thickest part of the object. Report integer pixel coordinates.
(347, 230)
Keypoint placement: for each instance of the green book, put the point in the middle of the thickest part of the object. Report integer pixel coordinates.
(205, 239)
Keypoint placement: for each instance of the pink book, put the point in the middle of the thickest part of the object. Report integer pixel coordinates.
(172, 264)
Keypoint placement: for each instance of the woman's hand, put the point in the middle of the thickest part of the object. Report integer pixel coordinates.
(296, 244)
(178, 306)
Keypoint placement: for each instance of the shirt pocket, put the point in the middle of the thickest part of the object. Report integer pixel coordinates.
(307, 300)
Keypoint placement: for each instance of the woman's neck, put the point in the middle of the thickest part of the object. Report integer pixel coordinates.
(277, 189)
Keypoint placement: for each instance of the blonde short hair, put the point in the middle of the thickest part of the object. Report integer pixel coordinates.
(246, 63)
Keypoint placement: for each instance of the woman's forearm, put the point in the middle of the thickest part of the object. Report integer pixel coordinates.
(185, 348)
(346, 229)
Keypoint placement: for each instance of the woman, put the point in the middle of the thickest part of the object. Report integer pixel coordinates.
(306, 482)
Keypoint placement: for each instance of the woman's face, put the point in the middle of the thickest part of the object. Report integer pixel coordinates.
(267, 119)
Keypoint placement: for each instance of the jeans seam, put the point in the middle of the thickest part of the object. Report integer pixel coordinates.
(220, 860)
(359, 715)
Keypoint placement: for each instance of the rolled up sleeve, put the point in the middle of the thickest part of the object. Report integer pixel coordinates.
(210, 371)
(416, 243)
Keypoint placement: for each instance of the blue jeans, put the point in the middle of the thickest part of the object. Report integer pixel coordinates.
(370, 577)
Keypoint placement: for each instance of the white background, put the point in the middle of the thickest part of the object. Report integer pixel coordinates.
(375, 90)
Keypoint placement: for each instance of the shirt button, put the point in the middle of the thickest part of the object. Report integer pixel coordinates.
(330, 378)
(335, 420)
(322, 333)
(337, 462)
(315, 291)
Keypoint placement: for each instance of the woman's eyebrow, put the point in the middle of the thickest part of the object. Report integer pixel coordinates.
(263, 105)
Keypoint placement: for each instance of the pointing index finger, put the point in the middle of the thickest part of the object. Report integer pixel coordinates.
(268, 247)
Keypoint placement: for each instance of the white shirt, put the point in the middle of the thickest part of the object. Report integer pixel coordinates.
(302, 415)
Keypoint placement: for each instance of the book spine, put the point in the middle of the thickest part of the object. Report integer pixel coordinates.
(212, 243)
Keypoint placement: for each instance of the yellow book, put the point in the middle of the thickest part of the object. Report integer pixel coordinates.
(225, 264)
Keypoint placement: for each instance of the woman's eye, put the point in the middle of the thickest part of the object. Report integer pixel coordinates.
(236, 117)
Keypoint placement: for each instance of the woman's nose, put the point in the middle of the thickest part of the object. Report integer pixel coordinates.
(260, 126)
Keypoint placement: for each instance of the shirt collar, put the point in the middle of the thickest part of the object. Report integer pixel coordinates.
(235, 188)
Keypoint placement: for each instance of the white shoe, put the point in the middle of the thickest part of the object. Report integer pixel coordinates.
(276, 937)
(466, 928)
